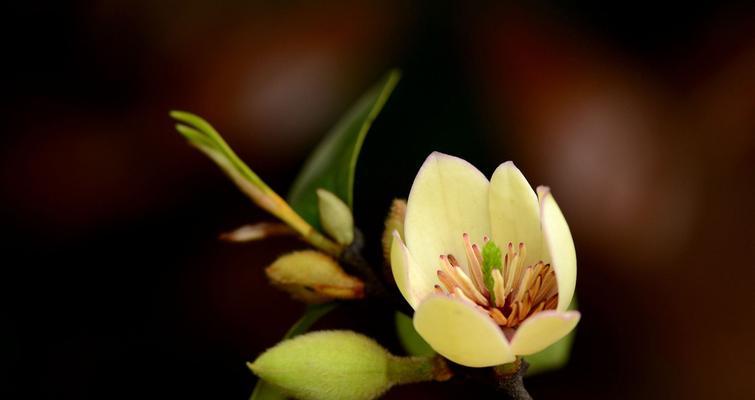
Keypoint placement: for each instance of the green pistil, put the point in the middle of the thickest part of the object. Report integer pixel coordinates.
(491, 259)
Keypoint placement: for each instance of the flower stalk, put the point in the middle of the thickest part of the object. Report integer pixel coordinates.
(403, 370)
(504, 378)
(509, 379)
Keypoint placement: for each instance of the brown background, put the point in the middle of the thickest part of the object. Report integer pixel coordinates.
(640, 117)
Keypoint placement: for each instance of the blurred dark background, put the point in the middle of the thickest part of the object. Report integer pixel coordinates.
(640, 116)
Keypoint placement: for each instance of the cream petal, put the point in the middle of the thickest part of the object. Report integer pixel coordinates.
(413, 282)
(560, 246)
(514, 212)
(461, 332)
(542, 330)
(448, 198)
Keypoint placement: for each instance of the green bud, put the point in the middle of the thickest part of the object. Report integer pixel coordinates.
(335, 217)
(313, 277)
(335, 365)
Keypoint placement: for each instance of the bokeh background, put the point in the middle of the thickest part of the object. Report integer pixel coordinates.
(640, 116)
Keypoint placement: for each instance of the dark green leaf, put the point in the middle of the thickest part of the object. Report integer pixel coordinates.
(265, 391)
(331, 166)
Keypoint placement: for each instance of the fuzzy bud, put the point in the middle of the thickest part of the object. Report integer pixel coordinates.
(313, 277)
(335, 217)
(337, 365)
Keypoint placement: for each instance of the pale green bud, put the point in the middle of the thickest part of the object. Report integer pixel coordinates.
(313, 277)
(335, 217)
(336, 365)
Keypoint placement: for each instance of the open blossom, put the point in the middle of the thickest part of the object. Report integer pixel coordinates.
(478, 303)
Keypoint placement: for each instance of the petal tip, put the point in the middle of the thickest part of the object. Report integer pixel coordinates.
(509, 165)
(437, 155)
(572, 315)
(543, 191)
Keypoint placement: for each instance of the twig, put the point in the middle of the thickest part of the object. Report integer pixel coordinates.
(505, 379)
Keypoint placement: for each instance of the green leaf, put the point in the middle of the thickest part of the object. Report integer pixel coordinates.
(491, 258)
(265, 391)
(331, 166)
(410, 340)
(554, 356)
(204, 137)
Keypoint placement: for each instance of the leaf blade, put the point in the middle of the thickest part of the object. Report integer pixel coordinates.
(331, 165)
(204, 137)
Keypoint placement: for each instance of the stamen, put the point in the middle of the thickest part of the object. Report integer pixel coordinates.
(523, 284)
(519, 290)
(446, 266)
(510, 250)
(524, 308)
(497, 316)
(478, 256)
(447, 281)
(506, 268)
(512, 320)
(548, 285)
(522, 252)
(535, 287)
(452, 260)
(510, 276)
(552, 302)
(469, 289)
(536, 270)
(460, 279)
(460, 294)
(500, 295)
(538, 308)
(517, 272)
(474, 266)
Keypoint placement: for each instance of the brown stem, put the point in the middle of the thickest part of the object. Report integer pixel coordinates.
(510, 381)
(375, 289)
(352, 260)
(504, 378)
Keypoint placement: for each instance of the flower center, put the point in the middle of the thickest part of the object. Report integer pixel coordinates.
(513, 292)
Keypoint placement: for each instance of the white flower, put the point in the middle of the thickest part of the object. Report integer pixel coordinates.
(470, 314)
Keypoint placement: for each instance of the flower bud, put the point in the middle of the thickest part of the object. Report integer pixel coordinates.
(313, 277)
(337, 365)
(394, 221)
(262, 230)
(335, 217)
